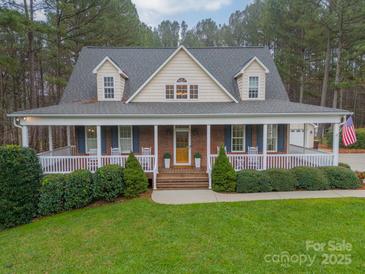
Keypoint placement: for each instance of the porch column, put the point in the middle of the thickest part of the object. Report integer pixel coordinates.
(25, 136)
(304, 137)
(155, 145)
(335, 143)
(264, 147)
(98, 144)
(208, 156)
(50, 138)
(68, 132)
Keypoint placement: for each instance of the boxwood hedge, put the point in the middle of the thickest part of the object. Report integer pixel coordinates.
(51, 199)
(108, 182)
(341, 177)
(20, 174)
(78, 189)
(281, 179)
(253, 181)
(310, 178)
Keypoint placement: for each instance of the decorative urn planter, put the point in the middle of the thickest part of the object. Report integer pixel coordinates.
(167, 158)
(197, 157)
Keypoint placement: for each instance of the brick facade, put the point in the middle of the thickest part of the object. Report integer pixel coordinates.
(198, 140)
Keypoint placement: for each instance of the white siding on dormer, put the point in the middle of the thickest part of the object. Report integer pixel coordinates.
(254, 69)
(182, 66)
(107, 69)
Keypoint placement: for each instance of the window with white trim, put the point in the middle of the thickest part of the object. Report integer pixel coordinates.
(125, 139)
(170, 94)
(272, 138)
(108, 87)
(181, 90)
(253, 87)
(238, 138)
(193, 91)
(90, 140)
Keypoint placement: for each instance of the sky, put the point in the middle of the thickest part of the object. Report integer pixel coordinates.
(152, 12)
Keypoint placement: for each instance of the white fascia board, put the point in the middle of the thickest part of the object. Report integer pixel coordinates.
(181, 120)
(249, 63)
(95, 70)
(167, 61)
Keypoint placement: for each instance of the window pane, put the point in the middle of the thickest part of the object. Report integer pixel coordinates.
(272, 137)
(238, 138)
(182, 92)
(125, 138)
(169, 89)
(193, 91)
(181, 80)
(109, 87)
(253, 88)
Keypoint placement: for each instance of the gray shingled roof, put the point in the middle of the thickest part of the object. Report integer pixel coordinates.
(140, 63)
(271, 106)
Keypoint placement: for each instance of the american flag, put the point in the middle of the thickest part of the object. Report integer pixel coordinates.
(348, 133)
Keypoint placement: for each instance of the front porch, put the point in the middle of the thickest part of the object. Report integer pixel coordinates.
(249, 146)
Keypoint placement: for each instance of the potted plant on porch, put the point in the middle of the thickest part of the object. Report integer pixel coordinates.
(197, 157)
(167, 157)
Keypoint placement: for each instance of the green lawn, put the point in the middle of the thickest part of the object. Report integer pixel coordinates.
(139, 236)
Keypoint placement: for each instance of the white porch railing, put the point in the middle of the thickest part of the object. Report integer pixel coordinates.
(67, 164)
(256, 161)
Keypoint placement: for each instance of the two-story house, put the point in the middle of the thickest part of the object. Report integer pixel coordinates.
(151, 101)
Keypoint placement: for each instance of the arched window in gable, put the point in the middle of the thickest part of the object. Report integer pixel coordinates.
(181, 89)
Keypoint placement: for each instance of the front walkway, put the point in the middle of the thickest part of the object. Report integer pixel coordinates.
(209, 196)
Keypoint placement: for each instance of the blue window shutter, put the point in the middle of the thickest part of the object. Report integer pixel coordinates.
(248, 133)
(135, 139)
(103, 140)
(80, 136)
(259, 134)
(281, 137)
(114, 133)
(227, 137)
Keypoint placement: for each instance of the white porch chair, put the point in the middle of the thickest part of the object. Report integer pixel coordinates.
(92, 162)
(252, 158)
(146, 163)
(115, 151)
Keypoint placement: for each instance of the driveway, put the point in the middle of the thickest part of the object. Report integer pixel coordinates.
(355, 160)
(208, 196)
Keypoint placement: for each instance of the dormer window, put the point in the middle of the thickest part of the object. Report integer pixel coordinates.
(181, 90)
(108, 87)
(253, 87)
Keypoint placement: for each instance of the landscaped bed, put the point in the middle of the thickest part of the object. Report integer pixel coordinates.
(139, 236)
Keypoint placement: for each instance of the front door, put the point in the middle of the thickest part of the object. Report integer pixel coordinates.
(182, 145)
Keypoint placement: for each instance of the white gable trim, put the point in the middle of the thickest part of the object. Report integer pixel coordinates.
(167, 61)
(249, 63)
(95, 70)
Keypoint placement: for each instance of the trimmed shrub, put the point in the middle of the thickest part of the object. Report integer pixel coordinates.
(281, 179)
(253, 181)
(135, 180)
(341, 177)
(78, 189)
(108, 182)
(360, 135)
(310, 178)
(20, 174)
(51, 198)
(344, 165)
(223, 174)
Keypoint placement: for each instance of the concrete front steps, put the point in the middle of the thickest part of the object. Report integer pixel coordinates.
(182, 178)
